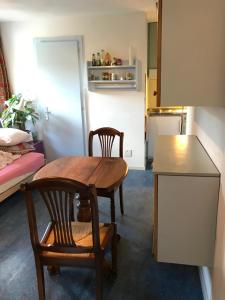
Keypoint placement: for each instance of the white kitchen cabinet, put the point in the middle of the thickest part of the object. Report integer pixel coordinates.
(191, 47)
(185, 203)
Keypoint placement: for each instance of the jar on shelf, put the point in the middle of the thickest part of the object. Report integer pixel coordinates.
(114, 76)
(129, 76)
(92, 76)
(105, 76)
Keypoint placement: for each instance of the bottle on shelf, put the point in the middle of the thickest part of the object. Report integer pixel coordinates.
(107, 59)
(132, 58)
(93, 60)
(98, 59)
(102, 57)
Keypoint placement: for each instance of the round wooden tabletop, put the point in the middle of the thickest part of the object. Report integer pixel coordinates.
(104, 172)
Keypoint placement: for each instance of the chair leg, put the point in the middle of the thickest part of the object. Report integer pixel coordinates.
(121, 199)
(112, 204)
(99, 277)
(40, 279)
(114, 250)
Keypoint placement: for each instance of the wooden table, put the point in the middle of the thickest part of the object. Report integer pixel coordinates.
(104, 172)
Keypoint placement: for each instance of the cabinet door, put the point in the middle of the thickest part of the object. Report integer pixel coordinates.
(191, 53)
(186, 220)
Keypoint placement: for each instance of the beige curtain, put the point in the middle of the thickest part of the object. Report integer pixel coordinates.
(4, 82)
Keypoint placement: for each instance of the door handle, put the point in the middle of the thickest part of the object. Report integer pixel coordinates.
(47, 113)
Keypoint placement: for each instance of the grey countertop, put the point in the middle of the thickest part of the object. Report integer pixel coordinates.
(182, 155)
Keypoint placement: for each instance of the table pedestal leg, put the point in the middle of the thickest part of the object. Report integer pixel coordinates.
(84, 209)
(53, 269)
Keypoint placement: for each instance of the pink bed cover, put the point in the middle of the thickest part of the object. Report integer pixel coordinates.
(27, 163)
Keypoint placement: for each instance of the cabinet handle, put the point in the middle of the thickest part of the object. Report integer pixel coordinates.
(154, 93)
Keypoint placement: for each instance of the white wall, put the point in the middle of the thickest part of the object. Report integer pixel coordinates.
(209, 125)
(123, 110)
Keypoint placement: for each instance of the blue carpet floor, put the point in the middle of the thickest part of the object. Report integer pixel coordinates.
(139, 275)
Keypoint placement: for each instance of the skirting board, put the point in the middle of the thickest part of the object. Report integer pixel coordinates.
(137, 168)
(206, 283)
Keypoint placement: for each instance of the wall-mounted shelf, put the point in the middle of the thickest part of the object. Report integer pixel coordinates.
(113, 81)
(112, 67)
(119, 70)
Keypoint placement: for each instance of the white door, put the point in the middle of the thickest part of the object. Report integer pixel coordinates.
(59, 97)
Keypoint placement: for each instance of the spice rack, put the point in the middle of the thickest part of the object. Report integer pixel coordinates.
(95, 74)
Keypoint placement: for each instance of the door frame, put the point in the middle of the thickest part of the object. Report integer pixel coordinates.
(81, 62)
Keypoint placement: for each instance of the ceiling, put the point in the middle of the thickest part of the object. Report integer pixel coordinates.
(16, 10)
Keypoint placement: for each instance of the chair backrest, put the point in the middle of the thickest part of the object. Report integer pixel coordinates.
(58, 195)
(106, 137)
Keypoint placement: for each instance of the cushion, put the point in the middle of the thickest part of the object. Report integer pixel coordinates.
(13, 136)
(82, 234)
(21, 148)
(80, 231)
(6, 159)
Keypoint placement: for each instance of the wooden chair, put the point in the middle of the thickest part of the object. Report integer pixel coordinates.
(106, 137)
(67, 242)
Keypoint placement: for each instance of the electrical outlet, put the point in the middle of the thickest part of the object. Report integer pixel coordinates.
(128, 153)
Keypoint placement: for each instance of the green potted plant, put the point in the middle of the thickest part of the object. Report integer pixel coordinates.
(17, 112)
